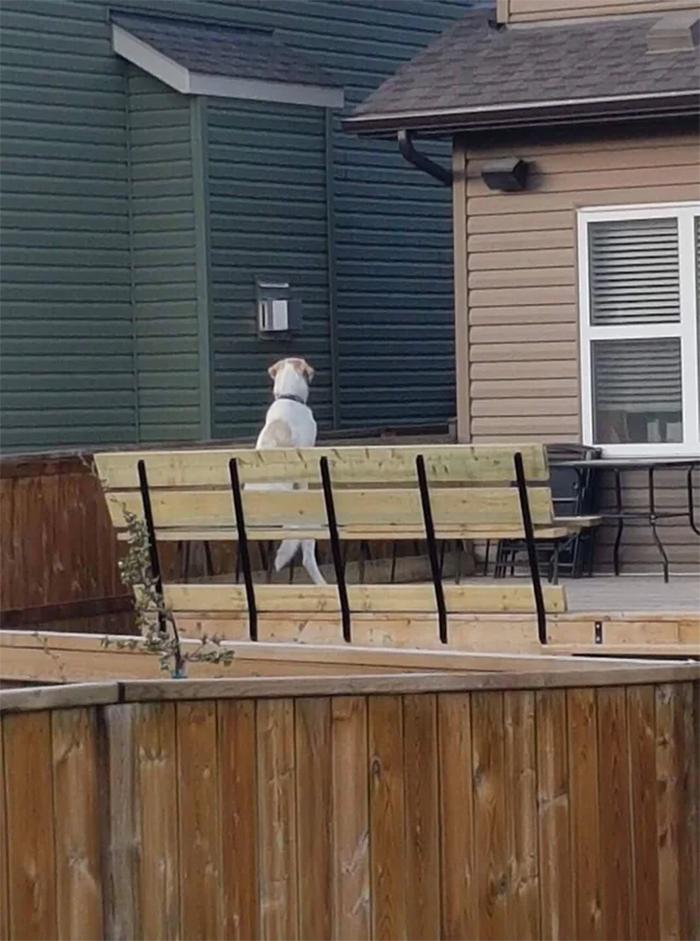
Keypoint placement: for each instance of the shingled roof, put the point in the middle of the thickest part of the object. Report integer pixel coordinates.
(199, 57)
(479, 74)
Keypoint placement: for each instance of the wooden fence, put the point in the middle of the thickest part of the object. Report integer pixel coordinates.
(475, 806)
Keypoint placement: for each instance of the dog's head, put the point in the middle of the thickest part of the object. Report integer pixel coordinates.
(291, 376)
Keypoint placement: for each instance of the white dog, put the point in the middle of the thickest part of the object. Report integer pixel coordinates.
(289, 423)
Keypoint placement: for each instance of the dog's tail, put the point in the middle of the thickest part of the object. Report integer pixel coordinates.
(286, 552)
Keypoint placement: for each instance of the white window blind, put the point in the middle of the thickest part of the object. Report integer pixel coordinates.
(640, 355)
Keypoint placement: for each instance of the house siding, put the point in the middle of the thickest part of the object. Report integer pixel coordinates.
(529, 11)
(67, 369)
(163, 260)
(522, 355)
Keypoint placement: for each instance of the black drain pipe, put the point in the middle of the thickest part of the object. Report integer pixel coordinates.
(421, 161)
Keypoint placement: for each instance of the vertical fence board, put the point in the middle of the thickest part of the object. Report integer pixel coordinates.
(120, 830)
(78, 863)
(614, 804)
(4, 889)
(459, 909)
(387, 840)
(277, 820)
(30, 832)
(156, 766)
(422, 823)
(200, 832)
(521, 814)
(239, 819)
(556, 885)
(689, 866)
(668, 812)
(642, 775)
(585, 823)
(313, 787)
(351, 903)
(490, 829)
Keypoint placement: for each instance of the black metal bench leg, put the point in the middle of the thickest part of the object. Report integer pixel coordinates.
(531, 547)
(432, 547)
(336, 551)
(243, 553)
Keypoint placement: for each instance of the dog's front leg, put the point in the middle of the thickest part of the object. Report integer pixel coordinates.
(308, 555)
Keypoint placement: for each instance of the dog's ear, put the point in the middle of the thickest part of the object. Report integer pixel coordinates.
(308, 371)
(275, 368)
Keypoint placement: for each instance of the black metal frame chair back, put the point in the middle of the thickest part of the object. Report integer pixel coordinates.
(531, 546)
(338, 562)
(152, 543)
(435, 567)
(243, 550)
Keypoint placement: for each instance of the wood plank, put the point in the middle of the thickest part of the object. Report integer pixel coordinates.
(668, 810)
(556, 886)
(374, 464)
(43, 697)
(121, 833)
(645, 860)
(490, 825)
(585, 824)
(351, 866)
(277, 820)
(199, 823)
(468, 597)
(158, 864)
(458, 875)
(77, 824)
(688, 863)
(422, 821)
(314, 816)
(289, 509)
(238, 789)
(4, 873)
(520, 790)
(387, 823)
(614, 809)
(30, 835)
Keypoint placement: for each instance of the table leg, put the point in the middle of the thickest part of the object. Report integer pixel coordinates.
(652, 523)
(620, 522)
(691, 507)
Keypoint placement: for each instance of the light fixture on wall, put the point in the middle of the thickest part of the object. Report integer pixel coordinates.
(508, 176)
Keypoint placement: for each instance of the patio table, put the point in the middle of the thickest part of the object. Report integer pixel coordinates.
(652, 515)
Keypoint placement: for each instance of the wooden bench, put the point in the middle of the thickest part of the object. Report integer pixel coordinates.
(421, 492)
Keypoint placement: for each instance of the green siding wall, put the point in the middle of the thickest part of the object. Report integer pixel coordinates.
(66, 373)
(163, 259)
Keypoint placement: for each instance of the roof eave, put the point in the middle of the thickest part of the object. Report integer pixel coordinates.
(542, 114)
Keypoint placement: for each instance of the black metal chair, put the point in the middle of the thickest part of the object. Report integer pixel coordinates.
(573, 494)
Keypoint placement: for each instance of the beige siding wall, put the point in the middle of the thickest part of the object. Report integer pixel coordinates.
(531, 11)
(518, 371)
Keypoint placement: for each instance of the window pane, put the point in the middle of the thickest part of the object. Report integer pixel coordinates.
(637, 391)
(634, 273)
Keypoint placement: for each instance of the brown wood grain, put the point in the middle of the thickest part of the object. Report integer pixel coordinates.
(200, 829)
(387, 820)
(350, 859)
(158, 866)
(239, 829)
(77, 826)
(584, 808)
(490, 825)
(4, 888)
(556, 884)
(277, 820)
(422, 820)
(30, 826)
(668, 811)
(689, 793)
(614, 805)
(642, 772)
(314, 815)
(521, 814)
(457, 863)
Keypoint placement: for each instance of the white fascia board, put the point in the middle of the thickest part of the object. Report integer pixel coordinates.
(176, 76)
(251, 89)
(147, 58)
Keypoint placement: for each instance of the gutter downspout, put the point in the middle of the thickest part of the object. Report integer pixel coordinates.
(420, 161)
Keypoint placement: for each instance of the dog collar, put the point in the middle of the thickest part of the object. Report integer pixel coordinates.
(292, 398)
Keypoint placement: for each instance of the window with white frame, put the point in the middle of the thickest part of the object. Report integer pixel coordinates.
(640, 355)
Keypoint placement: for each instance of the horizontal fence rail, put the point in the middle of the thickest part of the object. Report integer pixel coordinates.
(392, 807)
